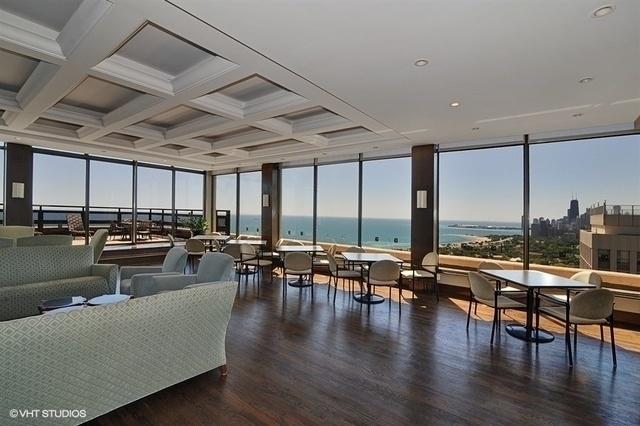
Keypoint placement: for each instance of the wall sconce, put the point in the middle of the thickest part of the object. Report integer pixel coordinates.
(17, 190)
(421, 198)
(265, 200)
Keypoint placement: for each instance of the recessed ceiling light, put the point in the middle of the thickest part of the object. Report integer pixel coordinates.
(475, 128)
(577, 115)
(603, 11)
(420, 62)
(454, 104)
(585, 80)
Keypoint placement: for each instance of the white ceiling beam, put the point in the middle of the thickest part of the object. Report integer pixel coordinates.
(315, 140)
(171, 102)
(71, 114)
(54, 82)
(275, 125)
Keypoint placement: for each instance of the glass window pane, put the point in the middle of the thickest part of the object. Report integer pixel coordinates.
(58, 188)
(338, 203)
(481, 203)
(225, 196)
(297, 204)
(585, 198)
(189, 192)
(250, 203)
(386, 203)
(154, 198)
(110, 195)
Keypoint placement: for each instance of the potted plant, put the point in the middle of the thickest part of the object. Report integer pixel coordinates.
(197, 224)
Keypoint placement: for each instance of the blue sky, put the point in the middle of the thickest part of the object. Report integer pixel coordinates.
(483, 185)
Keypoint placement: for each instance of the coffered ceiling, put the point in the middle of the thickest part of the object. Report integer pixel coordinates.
(220, 85)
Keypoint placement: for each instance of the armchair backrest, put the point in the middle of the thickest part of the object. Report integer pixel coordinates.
(75, 222)
(481, 287)
(588, 277)
(384, 270)
(175, 260)
(98, 241)
(296, 261)
(45, 240)
(489, 265)
(194, 245)
(354, 249)
(215, 267)
(16, 231)
(25, 265)
(592, 304)
(430, 260)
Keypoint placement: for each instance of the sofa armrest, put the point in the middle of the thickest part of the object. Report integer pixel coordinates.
(146, 284)
(108, 272)
(126, 272)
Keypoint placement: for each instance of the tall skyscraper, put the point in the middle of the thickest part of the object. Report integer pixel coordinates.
(573, 211)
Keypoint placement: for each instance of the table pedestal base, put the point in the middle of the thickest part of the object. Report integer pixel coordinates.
(368, 299)
(300, 283)
(520, 332)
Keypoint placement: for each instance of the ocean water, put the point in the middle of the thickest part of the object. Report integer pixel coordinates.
(382, 233)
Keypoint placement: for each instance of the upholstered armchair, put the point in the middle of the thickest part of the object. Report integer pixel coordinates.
(214, 267)
(174, 264)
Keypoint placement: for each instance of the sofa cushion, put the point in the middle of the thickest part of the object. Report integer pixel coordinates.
(23, 300)
(23, 265)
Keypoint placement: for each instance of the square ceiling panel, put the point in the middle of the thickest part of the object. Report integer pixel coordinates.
(57, 124)
(353, 131)
(163, 51)
(251, 89)
(14, 70)
(174, 117)
(242, 131)
(41, 12)
(99, 96)
(308, 113)
(286, 144)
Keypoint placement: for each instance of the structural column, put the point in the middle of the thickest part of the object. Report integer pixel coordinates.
(422, 201)
(18, 185)
(270, 200)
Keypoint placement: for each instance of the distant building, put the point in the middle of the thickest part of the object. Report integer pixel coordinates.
(612, 242)
(574, 211)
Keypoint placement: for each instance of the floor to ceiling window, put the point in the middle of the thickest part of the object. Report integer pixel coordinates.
(58, 189)
(481, 203)
(154, 202)
(250, 203)
(386, 203)
(337, 220)
(585, 203)
(296, 220)
(225, 197)
(110, 197)
(189, 201)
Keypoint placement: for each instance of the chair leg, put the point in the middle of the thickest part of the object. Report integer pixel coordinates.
(567, 340)
(601, 333)
(469, 313)
(493, 326)
(537, 306)
(329, 285)
(335, 289)
(475, 310)
(311, 285)
(575, 340)
(613, 343)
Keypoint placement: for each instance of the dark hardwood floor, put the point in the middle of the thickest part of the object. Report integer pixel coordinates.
(313, 362)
